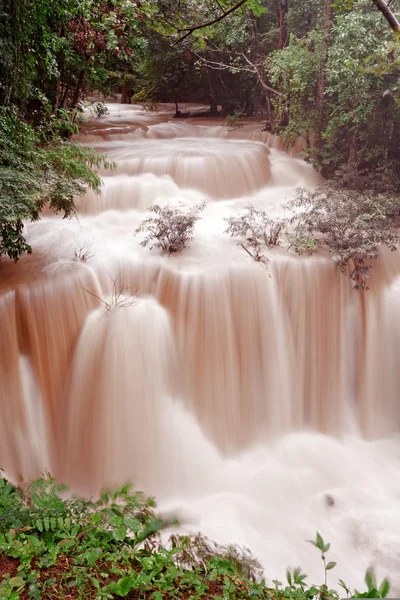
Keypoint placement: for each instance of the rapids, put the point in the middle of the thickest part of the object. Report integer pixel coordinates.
(240, 397)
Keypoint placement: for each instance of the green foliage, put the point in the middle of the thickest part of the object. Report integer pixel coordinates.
(360, 122)
(257, 230)
(350, 224)
(294, 71)
(56, 50)
(373, 589)
(234, 120)
(110, 548)
(38, 167)
(351, 218)
(171, 228)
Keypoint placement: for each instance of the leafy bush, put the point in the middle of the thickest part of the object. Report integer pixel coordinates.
(258, 231)
(350, 224)
(171, 228)
(234, 120)
(58, 548)
(38, 167)
(99, 109)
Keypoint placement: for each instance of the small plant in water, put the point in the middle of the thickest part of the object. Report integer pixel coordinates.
(258, 232)
(97, 108)
(83, 252)
(351, 225)
(234, 121)
(120, 297)
(170, 228)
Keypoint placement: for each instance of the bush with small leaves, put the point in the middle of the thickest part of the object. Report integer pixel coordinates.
(96, 108)
(100, 110)
(234, 121)
(350, 224)
(170, 228)
(258, 231)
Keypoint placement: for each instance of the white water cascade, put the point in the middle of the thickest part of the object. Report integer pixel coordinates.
(241, 397)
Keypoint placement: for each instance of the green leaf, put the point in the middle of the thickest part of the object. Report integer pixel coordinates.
(330, 565)
(319, 542)
(124, 586)
(119, 533)
(16, 582)
(148, 563)
(370, 579)
(116, 521)
(373, 594)
(34, 592)
(313, 591)
(384, 588)
(132, 524)
(343, 585)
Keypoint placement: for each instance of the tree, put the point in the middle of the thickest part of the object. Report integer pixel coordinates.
(33, 174)
(326, 42)
(359, 123)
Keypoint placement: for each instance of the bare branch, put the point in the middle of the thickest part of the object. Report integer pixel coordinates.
(190, 30)
(119, 299)
(252, 68)
(260, 78)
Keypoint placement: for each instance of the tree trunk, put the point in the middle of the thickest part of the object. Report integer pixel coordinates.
(78, 89)
(63, 97)
(124, 94)
(352, 162)
(213, 95)
(283, 32)
(320, 102)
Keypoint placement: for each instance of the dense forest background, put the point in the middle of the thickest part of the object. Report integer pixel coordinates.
(326, 72)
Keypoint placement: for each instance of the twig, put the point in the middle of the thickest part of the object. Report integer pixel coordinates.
(218, 66)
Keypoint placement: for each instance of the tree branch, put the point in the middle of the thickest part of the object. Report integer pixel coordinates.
(253, 68)
(190, 30)
(389, 16)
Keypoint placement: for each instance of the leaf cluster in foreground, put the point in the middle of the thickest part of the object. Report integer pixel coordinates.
(70, 548)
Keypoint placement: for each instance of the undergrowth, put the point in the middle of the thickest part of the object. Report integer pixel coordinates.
(54, 547)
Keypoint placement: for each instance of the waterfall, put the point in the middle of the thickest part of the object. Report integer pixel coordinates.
(240, 395)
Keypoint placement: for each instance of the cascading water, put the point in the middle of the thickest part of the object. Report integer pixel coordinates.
(241, 397)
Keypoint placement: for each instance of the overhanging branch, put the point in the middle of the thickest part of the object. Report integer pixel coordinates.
(189, 30)
(389, 15)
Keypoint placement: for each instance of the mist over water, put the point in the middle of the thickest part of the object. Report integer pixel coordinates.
(240, 397)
